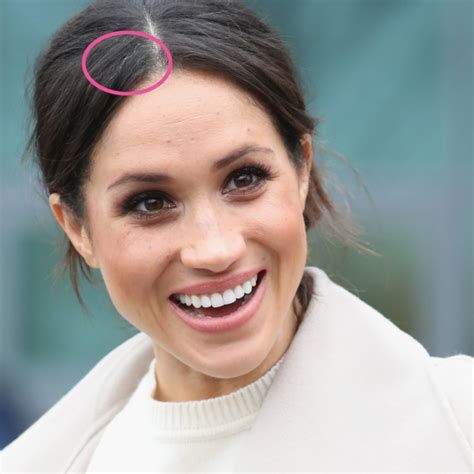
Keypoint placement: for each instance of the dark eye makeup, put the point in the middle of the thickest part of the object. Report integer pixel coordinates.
(261, 171)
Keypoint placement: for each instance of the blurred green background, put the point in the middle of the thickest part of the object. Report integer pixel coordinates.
(391, 80)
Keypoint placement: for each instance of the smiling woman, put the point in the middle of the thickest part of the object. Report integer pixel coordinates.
(194, 202)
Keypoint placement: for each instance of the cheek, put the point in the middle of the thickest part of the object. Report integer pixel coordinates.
(130, 265)
(288, 238)
(281, 231)
(279, 222)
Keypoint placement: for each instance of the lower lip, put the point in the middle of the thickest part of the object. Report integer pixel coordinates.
(224, 323)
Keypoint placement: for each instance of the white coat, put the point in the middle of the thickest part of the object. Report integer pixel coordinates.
(354, 394)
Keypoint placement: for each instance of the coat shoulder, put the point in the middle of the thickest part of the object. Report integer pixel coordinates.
(454, 376)
(93, 400)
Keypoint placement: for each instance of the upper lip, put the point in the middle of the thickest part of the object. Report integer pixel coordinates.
(217, 286)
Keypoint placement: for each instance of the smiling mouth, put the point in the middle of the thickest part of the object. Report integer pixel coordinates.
(224, 310)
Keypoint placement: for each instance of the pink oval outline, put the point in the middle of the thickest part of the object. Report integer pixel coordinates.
(119, 33)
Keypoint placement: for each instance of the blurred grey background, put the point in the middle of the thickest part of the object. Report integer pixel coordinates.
(391, 80)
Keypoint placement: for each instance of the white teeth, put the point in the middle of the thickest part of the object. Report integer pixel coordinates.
(229, 297)
(217, 300)
(196, 301)
(206, 301)
(238, 291)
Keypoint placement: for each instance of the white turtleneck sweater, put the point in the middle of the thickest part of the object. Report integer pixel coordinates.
(195, 436)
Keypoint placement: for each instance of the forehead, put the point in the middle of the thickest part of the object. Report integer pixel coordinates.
(189, 110)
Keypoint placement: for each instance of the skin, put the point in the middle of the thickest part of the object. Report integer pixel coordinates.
(181, 128)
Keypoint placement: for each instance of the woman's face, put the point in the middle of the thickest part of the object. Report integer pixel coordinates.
(200, 225)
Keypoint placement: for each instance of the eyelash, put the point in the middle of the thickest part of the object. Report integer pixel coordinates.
(261, 170)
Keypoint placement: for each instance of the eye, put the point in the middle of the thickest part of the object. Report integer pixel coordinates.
(243, 177)
(150, 204)
(147, 204)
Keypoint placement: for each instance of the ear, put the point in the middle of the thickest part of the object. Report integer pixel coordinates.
(76, 232)
(307, 144)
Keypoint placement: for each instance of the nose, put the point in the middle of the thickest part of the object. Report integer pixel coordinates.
(212, 242)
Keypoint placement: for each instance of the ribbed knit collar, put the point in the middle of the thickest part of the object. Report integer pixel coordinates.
(199, 419)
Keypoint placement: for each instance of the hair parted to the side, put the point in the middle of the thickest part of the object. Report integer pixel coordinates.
(221, 37)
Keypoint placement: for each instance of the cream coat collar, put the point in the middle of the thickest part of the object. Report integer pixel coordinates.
(354, 393)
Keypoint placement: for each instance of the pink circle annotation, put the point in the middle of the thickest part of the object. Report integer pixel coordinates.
(120, 33)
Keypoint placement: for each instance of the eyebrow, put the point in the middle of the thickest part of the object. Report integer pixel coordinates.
(164, 178)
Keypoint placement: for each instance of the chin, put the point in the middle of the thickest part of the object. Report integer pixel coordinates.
(234, 364)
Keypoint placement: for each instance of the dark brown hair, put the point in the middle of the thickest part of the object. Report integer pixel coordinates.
(222, 37)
